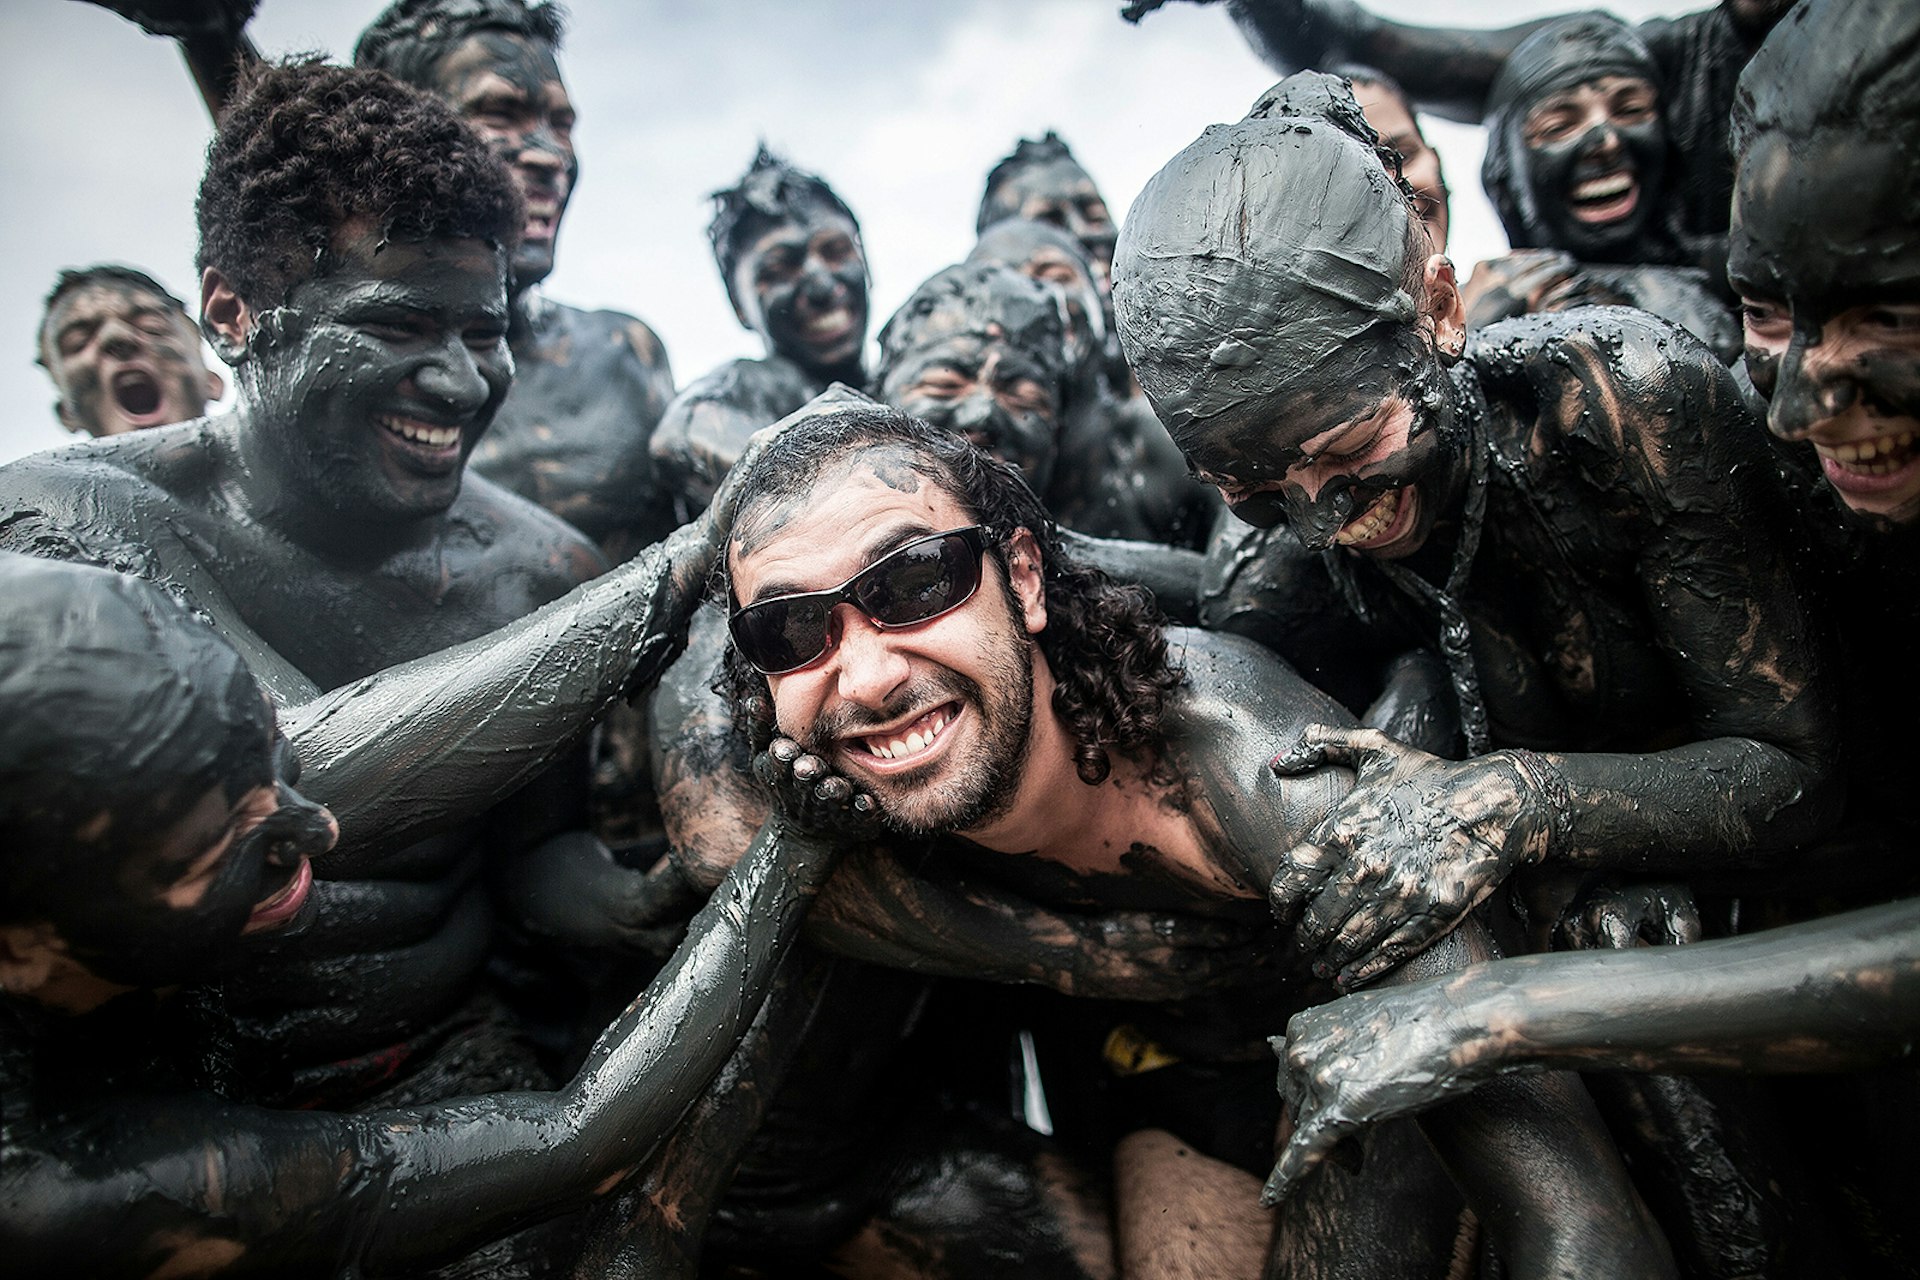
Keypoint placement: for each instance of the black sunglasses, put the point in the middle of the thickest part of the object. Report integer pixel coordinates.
(917, 583)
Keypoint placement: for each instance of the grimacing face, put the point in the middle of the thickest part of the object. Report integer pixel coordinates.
(1596, 158)
(932, 720)
(802, 286)
(986, 388)
(236, 864)
(1826, 257)
(372, 385)
(123, 358)
(508, 89)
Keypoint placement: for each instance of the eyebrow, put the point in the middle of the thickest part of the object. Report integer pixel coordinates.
(882, 547)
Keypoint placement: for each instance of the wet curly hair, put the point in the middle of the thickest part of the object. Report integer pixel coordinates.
(408, 39)
(770, 192)
(306, 148)
(1104, 640)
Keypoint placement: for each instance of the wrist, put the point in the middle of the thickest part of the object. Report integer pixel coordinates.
(1546, 799)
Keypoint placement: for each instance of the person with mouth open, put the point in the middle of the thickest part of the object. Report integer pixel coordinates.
(1577, 164)
(150, 836)
(790, 257)
(1576, 508)
(122, 352)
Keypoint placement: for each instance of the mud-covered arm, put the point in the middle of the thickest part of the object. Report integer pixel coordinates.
(1837, 994)
(212, 37)
(220, 1189)
(1446, 70)
(419, 746)
(705, 428)
(1171, 573)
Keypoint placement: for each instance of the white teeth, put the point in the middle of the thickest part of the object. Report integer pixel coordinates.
(1600, 188)
(421, 433)
(913, 744)
(832, 322)
(1372, 524)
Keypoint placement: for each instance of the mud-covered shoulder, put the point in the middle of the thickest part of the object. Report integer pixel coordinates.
(1635, 405)
(1239, 706)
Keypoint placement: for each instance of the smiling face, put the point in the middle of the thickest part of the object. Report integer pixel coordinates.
(368, 390)
(985, 387)
(802, 286)
(1830, 289)
(933, 719)
(508, 88)
(122, 359)
(1595, 161)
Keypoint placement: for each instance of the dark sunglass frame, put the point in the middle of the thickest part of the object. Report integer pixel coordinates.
(770, 622)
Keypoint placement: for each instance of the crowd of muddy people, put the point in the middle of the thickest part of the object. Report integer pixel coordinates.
(478, 808)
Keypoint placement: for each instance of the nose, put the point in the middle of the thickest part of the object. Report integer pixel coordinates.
(1316, 517)
(449, 378)
(302, 829)
(1814, 385)
(867, 666)
(119, 340)
(1602, 140)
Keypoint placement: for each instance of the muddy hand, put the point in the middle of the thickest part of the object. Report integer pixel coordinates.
(1616, 917)
(811, 795)
(1416, 844)
(1356, 1061)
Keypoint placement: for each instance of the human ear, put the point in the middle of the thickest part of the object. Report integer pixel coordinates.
(62, 411)
(214, 387)
(1443, 307)
(1026, 579)
(225, 318)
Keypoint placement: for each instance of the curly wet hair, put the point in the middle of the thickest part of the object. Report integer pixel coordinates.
(306, 148)
(1104, 641)
(770, 192)
(408, 39)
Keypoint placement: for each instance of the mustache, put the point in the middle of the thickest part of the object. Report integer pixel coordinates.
(923, 694)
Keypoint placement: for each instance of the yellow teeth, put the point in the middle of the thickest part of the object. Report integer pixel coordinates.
(1371, 523)
(1876, 456)
(421, 433)
(911, 744)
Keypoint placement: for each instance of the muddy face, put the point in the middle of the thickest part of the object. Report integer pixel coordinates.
(1826, 258)
(509, 90)
(1419, 162)
(1061, 193)
(1595, 162)
(802, 286)
(368, 390)
(123, 359)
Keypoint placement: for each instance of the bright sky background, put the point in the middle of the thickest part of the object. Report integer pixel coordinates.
(902, 106)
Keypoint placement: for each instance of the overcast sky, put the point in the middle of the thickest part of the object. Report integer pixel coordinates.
(901, 106)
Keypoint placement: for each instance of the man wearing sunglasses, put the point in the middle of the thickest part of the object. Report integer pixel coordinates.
(904, 620)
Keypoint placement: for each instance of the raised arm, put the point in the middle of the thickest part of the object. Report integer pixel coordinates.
(212, 36)
(1447, 70)
(197, 1185)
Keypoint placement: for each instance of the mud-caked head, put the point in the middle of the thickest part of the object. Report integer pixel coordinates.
(1278, 301)
(1577, 147)
(1825, 246)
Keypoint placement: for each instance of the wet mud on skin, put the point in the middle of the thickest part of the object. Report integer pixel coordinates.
(396, 1188)
(1449, 70)
(1536, 280)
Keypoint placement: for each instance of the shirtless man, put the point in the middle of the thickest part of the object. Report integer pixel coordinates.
(329, 531)
(588, 386)
(122, 352)
(1033, 720)
(790, 256)
(1577, 165)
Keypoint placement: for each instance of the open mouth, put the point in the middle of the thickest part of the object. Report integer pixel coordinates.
(542, 219)
(136, 393)
(1606, 198)
(1385, 521)
(284, 905)
(906, 744)
(433, 446)
(1869, 466)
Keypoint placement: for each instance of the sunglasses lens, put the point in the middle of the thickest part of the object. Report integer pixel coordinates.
(784, 633)
(919, 582)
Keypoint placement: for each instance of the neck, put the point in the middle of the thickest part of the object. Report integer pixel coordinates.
(1051, 807)
(520, 308)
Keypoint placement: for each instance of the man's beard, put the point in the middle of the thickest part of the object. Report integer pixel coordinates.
(973, 790)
